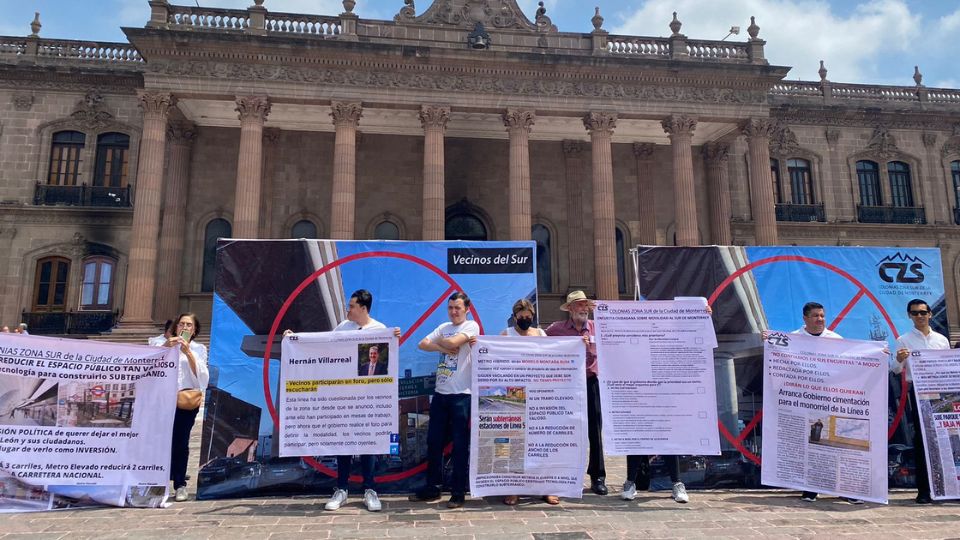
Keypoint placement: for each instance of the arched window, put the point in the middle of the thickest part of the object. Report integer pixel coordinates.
(955, 173)
(541, 235)
(465, 227)
(901, 191)
(112, 157)
(217, 228)
(868, 178)
(96, 289)
(50, 285)
(775, 176)
(621, 263)
(386, 230)
(801, 182)
(303, 229)
(65, 158)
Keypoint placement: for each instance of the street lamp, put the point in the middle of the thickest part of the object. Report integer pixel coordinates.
(734, 31)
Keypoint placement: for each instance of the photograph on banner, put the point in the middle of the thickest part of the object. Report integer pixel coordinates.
(657, 386)
(936, 384)
(864, 291)
(529, 406)
(338, 394)
(824, 415)
(263, 287)
(84, 423)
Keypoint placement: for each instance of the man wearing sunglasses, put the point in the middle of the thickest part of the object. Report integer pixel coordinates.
(921, 336)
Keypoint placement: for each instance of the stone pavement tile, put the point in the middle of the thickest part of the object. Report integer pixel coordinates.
(299, 535)
(33, 536)
(410, 518)
(562, 536)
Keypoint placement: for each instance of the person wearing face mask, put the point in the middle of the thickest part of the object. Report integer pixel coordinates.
(524, 315)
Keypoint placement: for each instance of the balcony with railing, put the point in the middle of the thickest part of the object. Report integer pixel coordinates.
(69, 322)
(800, 212)
(82, 195)
(904, 215)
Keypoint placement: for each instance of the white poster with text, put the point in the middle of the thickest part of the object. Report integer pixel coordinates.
(84, 423)
(529, 412)
(338, 394)
(825, 415)
(657, 383)
(936, 386)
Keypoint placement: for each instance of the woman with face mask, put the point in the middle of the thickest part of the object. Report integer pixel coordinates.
(524, 316)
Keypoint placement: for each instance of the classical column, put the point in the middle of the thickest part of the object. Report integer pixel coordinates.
(577, 207)
(142, 270)
(167, 304)
(680, 129)
(646, 196)
(518, 123)
(434, 120)
(758, 131)
(253, 111)
(271, 136)
(346, 118)
(718, 192)
(600, 126)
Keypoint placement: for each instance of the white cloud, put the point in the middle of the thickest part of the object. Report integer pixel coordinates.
(798, 32)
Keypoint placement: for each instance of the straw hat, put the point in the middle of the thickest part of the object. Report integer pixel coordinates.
(575, 296)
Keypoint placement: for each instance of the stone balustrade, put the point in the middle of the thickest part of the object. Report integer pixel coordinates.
(718, 50)
(17, 49)
(638, 46)
(206, 18)
(292, 23)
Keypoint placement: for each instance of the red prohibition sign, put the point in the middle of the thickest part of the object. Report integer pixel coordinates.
(454, 286)
(861, 292)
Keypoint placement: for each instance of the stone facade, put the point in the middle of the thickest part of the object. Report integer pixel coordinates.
(370, 128)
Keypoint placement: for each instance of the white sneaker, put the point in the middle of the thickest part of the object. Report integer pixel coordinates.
(181, 494)
(336, 500)
(629, 491)
(371, 501)
(680, 492)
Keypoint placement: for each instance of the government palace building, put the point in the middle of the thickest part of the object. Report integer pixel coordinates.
(121, 164)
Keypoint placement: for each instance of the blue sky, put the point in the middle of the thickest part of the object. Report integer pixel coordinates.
(860, 41)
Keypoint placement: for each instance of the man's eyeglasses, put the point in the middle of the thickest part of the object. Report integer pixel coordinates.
(919, 313)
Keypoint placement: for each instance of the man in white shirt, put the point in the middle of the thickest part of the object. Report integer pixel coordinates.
(158, 341)
(450, 405)
(815, 324)
(920, 337)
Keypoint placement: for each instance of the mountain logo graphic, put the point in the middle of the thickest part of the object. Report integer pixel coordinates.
(901, 268)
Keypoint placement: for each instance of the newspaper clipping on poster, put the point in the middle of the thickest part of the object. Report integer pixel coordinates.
(825, 415)
(338, 394)
(657, 389)
(529, 412)
(84, 423)
(936, 384)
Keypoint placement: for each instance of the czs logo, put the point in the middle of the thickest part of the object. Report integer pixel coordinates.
(483, 350)
(780, 340)
(602, 307)
(901, 268)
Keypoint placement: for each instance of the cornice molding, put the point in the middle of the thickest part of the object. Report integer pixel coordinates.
(58, 215)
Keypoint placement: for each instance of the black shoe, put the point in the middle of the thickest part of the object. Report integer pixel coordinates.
(923, 499)
(456, 500)
(599, 486)
(426, 494)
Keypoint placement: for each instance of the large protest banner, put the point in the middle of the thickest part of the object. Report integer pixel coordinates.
(529, 412)
(84, 423)
(824, 420)
(936, 384)
(338, 394)
(864, 290)
(657, 388)
(264, 287)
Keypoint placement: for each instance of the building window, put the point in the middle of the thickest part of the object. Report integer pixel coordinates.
(801, 181)
(95, 292)
(901, 192)
(111, 165)
(868, 178)
(216, 229)
(386, 230)
(775, 175)
(955, 172)
(303, 229)
(541, 235)
(65, 158)
(621, 263)
(465, 227)
(50, 285)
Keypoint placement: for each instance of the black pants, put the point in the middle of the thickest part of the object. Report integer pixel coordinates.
(919, 450)
(595, 468)
(638, 470)
(366, 467)
(449, 421)
(180, 446)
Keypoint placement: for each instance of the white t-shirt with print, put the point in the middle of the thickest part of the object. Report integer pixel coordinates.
(454, 371)
(350, 325)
